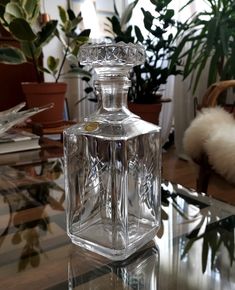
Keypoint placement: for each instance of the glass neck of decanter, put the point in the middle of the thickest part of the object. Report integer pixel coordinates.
(112, 92)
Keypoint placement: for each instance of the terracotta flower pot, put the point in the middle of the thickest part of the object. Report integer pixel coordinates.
(148, 112)
(41, 94)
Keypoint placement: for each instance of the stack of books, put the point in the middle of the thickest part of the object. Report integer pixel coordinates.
(15, 141)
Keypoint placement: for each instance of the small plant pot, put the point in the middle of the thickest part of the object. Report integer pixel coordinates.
(41, 94)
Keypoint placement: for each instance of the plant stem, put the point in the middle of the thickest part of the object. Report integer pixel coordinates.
(35, 64)
(62, 63)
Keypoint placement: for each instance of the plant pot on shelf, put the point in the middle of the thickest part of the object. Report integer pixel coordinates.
(41, 94)
(147, 112)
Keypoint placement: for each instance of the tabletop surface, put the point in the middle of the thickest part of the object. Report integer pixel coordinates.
(193, 249)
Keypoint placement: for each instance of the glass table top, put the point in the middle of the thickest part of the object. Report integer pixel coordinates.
(193, 249)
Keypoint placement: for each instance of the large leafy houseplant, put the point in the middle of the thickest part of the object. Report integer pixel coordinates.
(20, 18)
(208, 39)
(147, 79)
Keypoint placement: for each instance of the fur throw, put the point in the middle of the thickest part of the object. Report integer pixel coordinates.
(213, 132)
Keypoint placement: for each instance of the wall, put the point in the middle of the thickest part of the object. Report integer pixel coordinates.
(54, 47)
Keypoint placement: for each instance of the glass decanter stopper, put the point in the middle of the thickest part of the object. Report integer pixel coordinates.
(112, 162)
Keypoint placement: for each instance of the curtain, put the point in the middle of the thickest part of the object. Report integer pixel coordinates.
(183, 98)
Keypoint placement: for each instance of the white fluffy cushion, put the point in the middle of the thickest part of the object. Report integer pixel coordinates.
(220, 148)
(213, 132)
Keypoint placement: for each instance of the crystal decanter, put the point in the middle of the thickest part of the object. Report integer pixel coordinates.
(112, 162)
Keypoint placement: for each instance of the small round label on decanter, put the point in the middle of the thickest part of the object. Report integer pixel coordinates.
(92, 126)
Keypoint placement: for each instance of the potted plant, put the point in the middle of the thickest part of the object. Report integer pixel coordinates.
(148, 79)
(208, 39)
(20, 18)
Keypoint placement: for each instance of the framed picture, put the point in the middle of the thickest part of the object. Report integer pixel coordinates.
(104, 6)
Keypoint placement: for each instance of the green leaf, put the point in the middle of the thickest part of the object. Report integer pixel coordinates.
(188, 63)
(148, 19)
(29, 6)
(75, 22)
(164, 215)
(224, 40)
(86, 79)
(47, 32)
(45, 70)
(169, 14)
(63, 14)
(228, 239)
(88, 90)
(30, 50)
(14, 9)
(232, 61)
(177, 53)
(195, 232)
(52, 63)
(205, 249)
(79, 40)
(115, 8)
(11, 55)
(126, 15)
(200, 68)
(213, 243)
(67, 27)
(155, 2)
(213, 70)
(79, 72)
(188, 3)
(2, 11)
(211, 33)
(188, 247)
(22, 30)
(32, 9)
(138, 34)
(116, 25)
(160, 232)
(85, 32)
(71, 14)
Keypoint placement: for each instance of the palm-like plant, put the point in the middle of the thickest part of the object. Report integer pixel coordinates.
(208, 37)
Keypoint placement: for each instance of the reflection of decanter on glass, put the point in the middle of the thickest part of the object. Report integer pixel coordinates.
(90, 271)
(112, 163)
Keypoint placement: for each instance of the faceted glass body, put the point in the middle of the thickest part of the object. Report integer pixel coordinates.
(113, 176)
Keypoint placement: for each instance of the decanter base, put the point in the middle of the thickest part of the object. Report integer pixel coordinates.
(114, 254)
